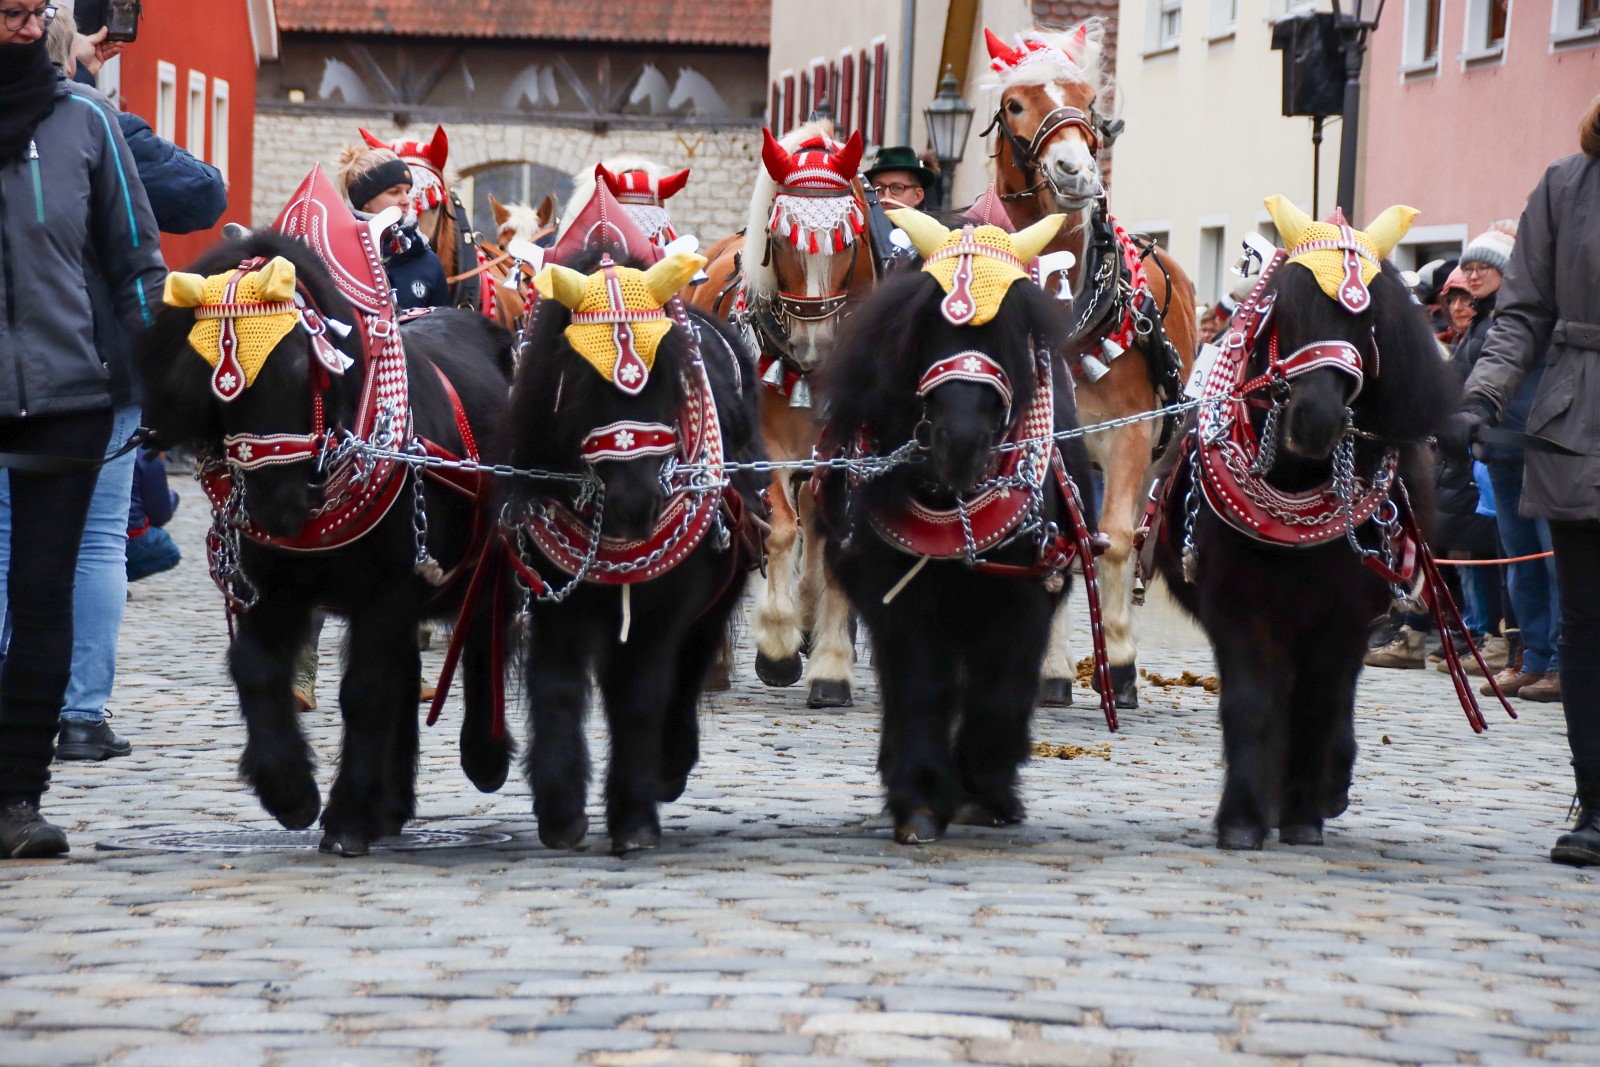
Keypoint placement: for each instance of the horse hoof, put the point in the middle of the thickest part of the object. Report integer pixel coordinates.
(1300, 833)
(717, 679)
(1336, 805)
(636, 841)
(1239, 838)
(778, 672)
(295, 812)
(919, 828)
(1055, 693)
(670, 789)
(973, 813)
(828, 693)
(564, 837)
(346, 843)
(486, 765)
(1125, 687)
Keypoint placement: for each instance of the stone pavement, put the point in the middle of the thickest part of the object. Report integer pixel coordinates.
(780, 925)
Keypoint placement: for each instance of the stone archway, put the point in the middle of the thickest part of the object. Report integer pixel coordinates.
(511, 182)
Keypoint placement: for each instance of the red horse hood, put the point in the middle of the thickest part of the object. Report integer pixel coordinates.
(317, 215)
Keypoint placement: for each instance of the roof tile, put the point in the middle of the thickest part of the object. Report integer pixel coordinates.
(727, 23)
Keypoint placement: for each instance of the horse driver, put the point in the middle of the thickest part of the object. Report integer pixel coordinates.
(374, 179)
(900, 178)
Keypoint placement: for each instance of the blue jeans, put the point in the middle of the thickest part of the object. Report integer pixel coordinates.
(101, 588)
(1480, 595)
(1533, 584)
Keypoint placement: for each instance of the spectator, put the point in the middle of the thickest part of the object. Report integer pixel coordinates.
(151, 550)
(1456, 300)
(93, 228)
(374, 179)
(900, 178)
(1547, 334)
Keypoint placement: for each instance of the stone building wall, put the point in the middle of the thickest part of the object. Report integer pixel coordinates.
(289, 138)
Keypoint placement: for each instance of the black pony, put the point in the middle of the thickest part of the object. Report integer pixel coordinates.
(957, 647)
(371, 581)
(1289, 624)
(647, 640)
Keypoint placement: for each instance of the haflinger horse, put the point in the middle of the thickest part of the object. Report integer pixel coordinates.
(803, 260)
(537, 225)
(1132, 338)
(642, 186)
(636, 560)
(443, 220)
(957, 562)
(1296, 510)
(278, 361)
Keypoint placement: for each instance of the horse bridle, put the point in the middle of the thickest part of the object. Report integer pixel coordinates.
(1097, 129)
(776, 316)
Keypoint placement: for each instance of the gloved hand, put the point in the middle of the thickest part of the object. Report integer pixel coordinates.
(1456, 435)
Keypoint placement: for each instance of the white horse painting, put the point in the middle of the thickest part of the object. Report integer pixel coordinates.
(696, 90)
(651, 86)
(537, 85)
(340, 77)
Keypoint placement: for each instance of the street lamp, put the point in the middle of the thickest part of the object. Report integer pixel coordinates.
(949, 119)
(1355, 19)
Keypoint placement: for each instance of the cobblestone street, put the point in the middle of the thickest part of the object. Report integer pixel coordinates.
(779, 925)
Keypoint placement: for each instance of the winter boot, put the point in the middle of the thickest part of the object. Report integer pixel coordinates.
(1580, 847)
(1407, 651)
(24, 835)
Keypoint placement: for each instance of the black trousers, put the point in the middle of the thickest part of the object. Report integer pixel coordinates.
(48, 512)
(1577, 546)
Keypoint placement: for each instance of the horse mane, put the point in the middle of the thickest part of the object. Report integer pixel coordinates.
(1085, 63)
(1414, 390)
(583, 192)
(884, 348)
(179, 402)
(759, 279)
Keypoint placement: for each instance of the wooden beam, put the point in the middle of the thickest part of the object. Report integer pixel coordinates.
(960, 22)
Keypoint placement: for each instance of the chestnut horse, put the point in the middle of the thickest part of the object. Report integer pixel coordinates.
(803, 260)
(1048, 129)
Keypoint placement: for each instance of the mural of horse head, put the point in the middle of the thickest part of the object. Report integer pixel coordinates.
(340, 77)
(696, 90)
(651, 89)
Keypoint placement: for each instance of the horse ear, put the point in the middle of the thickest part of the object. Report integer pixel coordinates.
(547, 209)
(183, 290)
(605, 175)
(1387, 229)
(672, 273)
(276, 280)
(501, 212)
(1002, 54)
(673, 184)
(926, 232)
(373, 142)
(773, 155)
(1031, 241)
(438, 152)
(1290, 220)
(556, 282)
(849, 159)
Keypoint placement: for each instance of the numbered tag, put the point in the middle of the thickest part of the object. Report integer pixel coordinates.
(1203, 362)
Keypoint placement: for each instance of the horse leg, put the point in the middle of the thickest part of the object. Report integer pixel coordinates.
(680, 740)
(992, 741)
(918, 690)
(1322, 743)
(557, 685)
(277, 761)
(374, 793)
(1256, 680)
(777, 614)
(635, 687)
(832, 649)
(1125, 460)
(1060, 670)
(485, 758)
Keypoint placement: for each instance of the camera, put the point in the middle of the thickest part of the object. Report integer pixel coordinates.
(119, 17)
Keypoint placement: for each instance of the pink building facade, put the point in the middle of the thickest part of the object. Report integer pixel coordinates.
(1466, 103)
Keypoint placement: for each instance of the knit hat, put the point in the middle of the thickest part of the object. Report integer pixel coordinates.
(1491, 247)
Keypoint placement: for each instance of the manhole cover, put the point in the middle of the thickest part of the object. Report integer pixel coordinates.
(294, 840)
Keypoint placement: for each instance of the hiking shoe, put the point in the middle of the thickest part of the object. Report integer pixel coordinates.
(24, 835)
(1408, 651)
(1493, 650)
(82, 739)
(1385, 632)
(1546, 690)
(1511, 682)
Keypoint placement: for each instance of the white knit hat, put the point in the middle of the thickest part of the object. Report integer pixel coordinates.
(1492, 247)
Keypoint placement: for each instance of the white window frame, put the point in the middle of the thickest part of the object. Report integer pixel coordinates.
(1213, 262)
(1565, 29)
(1414, 58)
(196, 116)
(166, 101)
(1157, 39)
(1475, 46)
(221, 118)
(1282, 9)
(1222, 20)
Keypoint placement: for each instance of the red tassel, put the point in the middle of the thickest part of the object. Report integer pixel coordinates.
(814, 247)
(838, 240)
(855, 223)
(794, 234)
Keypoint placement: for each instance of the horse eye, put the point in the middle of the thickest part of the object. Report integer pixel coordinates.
(1014, 107)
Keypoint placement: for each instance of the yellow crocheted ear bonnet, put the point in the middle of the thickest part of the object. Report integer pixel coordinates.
(1343, 258)
(240, 316)
(618, 316)
(975, 265)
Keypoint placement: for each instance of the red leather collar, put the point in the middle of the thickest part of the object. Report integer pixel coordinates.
(968, 366)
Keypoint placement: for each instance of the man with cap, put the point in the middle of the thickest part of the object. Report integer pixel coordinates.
(900, 178)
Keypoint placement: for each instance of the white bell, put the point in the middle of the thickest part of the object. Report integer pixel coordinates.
(801, 397)
(1093, 369)
(774, 374)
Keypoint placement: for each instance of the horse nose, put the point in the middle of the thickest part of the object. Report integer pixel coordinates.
(1069, 167)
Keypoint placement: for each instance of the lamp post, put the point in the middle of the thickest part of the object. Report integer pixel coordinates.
(949, 119)
(1355, 19)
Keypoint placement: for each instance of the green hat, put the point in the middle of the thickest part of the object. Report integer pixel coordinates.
(901, 157)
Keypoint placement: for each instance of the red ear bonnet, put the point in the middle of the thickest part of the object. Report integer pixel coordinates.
(673, 184)
(373, 142)
(439, 151)
(774, 156)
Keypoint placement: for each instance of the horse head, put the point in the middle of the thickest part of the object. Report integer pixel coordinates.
(1320, 347)
(1052, 117)
(955, 342)
(605, 375)
(802, 255)
(247, 363)
(642, 187)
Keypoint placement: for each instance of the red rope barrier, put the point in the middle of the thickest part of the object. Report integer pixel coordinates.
(1491, 562)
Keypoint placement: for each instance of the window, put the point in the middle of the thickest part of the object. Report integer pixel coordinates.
(1486, 29)
(844, 107)
(1223, 19)
(195, 116)
(1212, 268)
(822, 87)
(880, 90)
(1575, 20)
(515, 183)
(1421, 47)
(219, 126)
(1267, 229)
(864, 95)
(1589, 17)
(1497, 22)
(788, 103)
(804, 112)
(1169, 23)
(166, 101)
